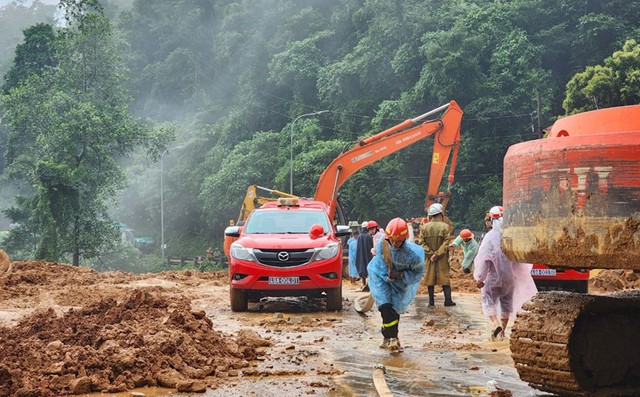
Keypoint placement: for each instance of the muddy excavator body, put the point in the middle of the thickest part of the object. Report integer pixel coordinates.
(572, 201)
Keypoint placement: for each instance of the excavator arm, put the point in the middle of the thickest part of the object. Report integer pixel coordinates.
(253, 199)
(369, 150)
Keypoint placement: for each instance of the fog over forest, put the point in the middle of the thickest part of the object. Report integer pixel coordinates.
(209, 97)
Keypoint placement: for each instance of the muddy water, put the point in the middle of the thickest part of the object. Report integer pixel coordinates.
(447, 351)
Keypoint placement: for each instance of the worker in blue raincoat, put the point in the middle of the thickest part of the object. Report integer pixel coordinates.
(394, 275)
(352, 243)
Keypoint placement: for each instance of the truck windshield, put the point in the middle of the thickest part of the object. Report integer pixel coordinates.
(285, 222)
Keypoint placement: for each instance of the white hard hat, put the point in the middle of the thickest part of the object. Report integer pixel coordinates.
(364, 224)
(435, 209)
(496, 212)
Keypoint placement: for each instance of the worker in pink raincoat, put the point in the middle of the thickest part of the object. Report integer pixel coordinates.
(505, 285)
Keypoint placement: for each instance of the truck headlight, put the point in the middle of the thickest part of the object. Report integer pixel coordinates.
(328, 252)
(241, 253)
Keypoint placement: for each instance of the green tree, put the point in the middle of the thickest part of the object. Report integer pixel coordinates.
(616, 83)
(222, 193)
(67, 127)
(255, 66)
(34, 56)
(15, 17)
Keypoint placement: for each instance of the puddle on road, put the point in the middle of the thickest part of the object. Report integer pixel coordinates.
(446, 358)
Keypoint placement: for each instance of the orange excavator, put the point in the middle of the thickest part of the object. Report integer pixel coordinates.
(369, 150)
(572, 200)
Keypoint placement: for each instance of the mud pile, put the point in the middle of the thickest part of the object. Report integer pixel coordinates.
(460, 281)
(4, 262)
(90, 332)
(615, 280)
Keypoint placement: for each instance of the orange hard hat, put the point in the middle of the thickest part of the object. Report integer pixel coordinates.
(397, 229)
(372, 224)
(466, 233)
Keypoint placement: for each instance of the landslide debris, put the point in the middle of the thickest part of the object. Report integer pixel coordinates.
(5, 263)
(615, 280)
(90, 333)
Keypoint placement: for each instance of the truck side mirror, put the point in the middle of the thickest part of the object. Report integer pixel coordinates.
(232, 231)
(342, 230)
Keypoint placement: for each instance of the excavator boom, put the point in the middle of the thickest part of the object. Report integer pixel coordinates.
(447, 139)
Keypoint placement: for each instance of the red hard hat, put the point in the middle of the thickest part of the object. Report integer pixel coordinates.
(466, 233)
(372, 224)
(397, 229)
(316, 230)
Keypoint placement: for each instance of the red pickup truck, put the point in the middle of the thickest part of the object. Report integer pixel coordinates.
(287, 247)
(548, 279)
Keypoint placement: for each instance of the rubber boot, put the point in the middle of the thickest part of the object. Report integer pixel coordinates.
(390, 321)
(447, 296)
(431, 289)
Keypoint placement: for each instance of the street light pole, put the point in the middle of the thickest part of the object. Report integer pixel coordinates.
(162, 205)
(162, 246)
(291, 145)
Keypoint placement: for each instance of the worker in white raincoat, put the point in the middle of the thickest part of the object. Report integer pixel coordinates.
(394, 275)
(505, 285)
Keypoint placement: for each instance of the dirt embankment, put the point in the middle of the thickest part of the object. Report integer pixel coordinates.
(5, 264)
(72, 330)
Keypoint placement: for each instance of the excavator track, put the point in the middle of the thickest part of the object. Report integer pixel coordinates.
(579, 345)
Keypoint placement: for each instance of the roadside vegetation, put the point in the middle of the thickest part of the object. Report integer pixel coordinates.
(96, 104)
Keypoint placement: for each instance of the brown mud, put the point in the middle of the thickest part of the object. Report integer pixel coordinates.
(66, 330)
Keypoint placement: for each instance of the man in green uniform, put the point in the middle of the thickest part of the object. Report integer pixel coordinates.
(434, 239)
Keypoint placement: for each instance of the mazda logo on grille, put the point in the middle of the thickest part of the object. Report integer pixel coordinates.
(283, 256)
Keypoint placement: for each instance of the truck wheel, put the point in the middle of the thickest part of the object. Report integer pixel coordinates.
(239, 301)
(334, 299)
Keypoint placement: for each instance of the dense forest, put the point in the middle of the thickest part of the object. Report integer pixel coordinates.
(97, 102)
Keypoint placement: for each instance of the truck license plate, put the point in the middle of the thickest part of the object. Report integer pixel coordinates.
(284, 280)
(543, 272)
